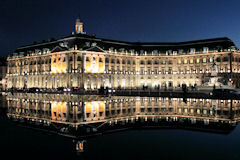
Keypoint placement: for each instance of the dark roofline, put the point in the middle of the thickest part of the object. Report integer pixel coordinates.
(133, 44)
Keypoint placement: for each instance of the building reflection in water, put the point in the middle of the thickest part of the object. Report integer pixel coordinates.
(80, 117)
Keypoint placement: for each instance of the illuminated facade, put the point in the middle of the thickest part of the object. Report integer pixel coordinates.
(87, 62)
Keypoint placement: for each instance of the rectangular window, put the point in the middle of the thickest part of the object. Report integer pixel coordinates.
(142, 71)
(163, 70)
(169, 70)
(149, 71)
(155, 71)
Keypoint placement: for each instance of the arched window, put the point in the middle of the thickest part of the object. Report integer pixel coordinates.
(218, 59)
(70, 59)
(149, 62)
(112, 61)
(141, 62)
(79, 58)
(123, 61)
(118, 61)
(156, 62)
(100, 60)
(129, 62)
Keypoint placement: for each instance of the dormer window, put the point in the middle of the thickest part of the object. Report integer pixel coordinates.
(205, 49)
(192, 50)
(155, 52)
(170, 52)
(180, 51)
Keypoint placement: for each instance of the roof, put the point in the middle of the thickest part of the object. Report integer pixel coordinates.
(85, 42)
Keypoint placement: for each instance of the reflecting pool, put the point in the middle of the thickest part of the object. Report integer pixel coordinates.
(88, 126)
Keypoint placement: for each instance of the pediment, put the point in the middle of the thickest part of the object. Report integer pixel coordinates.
(95, 49)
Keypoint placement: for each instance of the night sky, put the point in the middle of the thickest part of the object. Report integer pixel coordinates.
(25, 21)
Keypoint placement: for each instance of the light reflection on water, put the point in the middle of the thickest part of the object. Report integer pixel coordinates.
(83, 117)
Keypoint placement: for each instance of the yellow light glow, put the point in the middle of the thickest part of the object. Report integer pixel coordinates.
(95, 107)
(58, 66)
(58, 108)
(94, 66)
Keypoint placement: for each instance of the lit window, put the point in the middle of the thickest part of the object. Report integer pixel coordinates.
(198, 60)
(204, 60)
(185, 61)
(179, 61)
(210, 59)
(191, 61)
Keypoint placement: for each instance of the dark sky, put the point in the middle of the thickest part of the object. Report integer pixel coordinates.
(24, 21)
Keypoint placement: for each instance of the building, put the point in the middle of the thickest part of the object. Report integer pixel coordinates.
(3, 72)
(88, 62)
